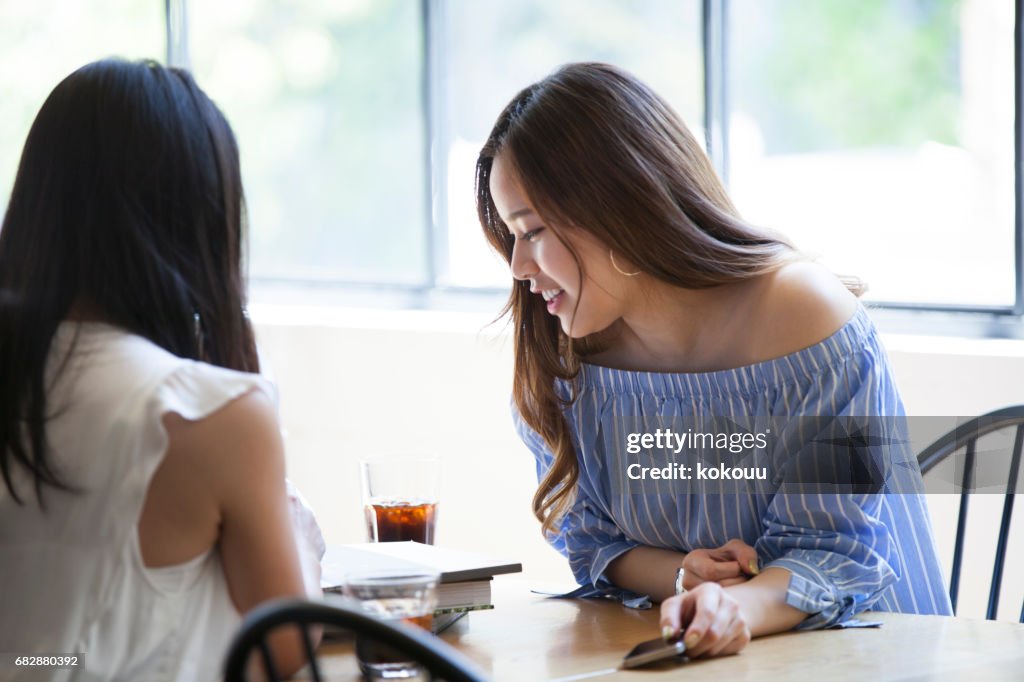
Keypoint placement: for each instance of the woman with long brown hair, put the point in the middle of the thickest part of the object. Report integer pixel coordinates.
(641, 294)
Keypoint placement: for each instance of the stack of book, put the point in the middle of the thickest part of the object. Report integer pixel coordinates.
(465, 583)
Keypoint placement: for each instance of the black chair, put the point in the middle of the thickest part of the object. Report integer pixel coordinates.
(965, 438)
(439, 659)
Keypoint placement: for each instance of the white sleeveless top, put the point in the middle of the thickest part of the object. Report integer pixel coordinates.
(72, 579)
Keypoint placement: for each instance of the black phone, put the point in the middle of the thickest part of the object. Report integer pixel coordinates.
(653, 650)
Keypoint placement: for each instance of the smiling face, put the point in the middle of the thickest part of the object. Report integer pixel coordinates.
(540, 256)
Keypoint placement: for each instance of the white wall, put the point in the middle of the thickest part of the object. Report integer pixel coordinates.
(358, 383)
(355, 383)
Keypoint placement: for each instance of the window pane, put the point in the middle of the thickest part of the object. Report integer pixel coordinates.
(496, 49)
(43, 41)
(878, 134)
(325, 99)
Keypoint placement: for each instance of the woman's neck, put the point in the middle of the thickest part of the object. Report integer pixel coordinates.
(667, 329)
(670, 329)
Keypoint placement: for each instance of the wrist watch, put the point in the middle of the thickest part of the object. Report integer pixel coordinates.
(680, 575)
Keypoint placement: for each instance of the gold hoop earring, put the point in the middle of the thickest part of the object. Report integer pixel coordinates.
(611, 256)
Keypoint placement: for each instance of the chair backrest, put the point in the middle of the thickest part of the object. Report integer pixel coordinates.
(965, 438)
(437, 657)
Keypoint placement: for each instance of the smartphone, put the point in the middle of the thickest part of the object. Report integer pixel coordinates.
(653, 650)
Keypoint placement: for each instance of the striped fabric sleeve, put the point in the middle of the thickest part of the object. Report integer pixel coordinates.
(841, 554)
(586, 537)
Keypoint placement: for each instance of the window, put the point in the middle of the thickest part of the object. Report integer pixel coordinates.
(881, 135)
(326, 101)
(43, 41)
(333, 103)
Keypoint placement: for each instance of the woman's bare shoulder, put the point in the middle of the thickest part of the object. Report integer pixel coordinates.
(230, 440)
(799, 305)
(207, 462)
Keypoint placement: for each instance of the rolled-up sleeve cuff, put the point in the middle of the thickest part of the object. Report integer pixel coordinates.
(604, 556)
(812, 592)
(589, 571)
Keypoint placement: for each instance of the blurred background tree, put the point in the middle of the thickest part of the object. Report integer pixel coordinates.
(828, 74)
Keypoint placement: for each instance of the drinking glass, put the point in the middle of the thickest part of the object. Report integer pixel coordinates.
(400, 498)
(411, 597)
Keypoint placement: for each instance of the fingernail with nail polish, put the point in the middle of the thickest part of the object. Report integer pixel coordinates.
(753, 566)
(667, 632)
(692, 639)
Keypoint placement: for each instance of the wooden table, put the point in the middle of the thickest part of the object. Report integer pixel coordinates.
(528, 638)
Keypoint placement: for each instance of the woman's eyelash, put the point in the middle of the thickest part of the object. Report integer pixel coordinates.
(531, 234)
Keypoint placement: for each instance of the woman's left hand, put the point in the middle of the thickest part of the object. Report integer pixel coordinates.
(733, 563)
(710, 619)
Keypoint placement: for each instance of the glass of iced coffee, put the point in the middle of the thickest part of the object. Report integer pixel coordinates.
(400, 498)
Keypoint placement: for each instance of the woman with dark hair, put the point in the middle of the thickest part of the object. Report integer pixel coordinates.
(641, 295)
(144, 505)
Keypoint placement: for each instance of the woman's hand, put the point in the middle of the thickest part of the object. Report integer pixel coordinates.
(652, 570)
(731, 564)
(709, 618)
(308, 539)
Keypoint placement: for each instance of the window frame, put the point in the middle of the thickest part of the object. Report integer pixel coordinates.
(436, 291)
(988, 320)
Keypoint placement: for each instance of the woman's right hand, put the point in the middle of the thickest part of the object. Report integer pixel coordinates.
(709, 620)
(733, 563)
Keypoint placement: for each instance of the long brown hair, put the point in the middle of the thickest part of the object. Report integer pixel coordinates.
(596, 149)
(128, 202)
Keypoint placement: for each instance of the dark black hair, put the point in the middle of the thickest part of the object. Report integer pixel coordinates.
(128, 205)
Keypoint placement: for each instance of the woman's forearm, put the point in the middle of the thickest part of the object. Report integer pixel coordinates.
(646, 570)
(762, 601)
